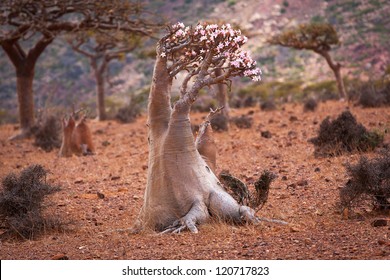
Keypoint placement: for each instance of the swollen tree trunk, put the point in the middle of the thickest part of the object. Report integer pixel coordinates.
(182, 190)
(336, 68)
(24, 64)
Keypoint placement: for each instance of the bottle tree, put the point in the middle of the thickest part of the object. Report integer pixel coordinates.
(182, 190)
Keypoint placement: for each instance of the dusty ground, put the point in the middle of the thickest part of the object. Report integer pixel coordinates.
(305, 194)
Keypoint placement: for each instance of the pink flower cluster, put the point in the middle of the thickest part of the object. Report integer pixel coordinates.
(222, 42)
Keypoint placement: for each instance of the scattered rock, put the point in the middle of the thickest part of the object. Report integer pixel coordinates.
(383, 242)
(317, 169)
(100, 195)
(106, 143)
(302, 183)
(60, 257)
(266, 134)
(379, 223)
(294, 229)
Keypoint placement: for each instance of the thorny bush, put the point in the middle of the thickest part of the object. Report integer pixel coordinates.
(47, 133)
(368, 180)
(344, 135)
(21, 203)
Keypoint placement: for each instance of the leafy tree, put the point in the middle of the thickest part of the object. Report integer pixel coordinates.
(182, 190)
(101, 48)
(317, 37)
(28, 27)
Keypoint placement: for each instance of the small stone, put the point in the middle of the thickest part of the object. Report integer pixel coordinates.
(100, 195)
(302, 183)
(60, 257)
(266, 134)
(379, 223)
(115, 178)
(383, 242)
(106, 143)
(317, 169)
(294, 229)
(345, 214)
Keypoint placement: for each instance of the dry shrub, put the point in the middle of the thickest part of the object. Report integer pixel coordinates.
(242, 194)
(129, 113)
(372, 95)
(344, 135)
(310, 105)
(262, 185)
(220, 123)
(268, 105)
(21, 203)
(243, 121)
(47, 133)
(369, 180)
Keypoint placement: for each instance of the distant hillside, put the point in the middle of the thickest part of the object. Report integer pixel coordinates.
(63, 77)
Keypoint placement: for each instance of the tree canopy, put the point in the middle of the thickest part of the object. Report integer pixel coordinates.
(39, 22)
(311, 36)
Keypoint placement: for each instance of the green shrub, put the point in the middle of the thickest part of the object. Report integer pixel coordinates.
(325, 90)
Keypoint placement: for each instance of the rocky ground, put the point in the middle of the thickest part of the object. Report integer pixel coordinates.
(103, 193)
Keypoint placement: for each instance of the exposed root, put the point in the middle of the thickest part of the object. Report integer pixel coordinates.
(276, 221)
(24, 134)
(180, 225)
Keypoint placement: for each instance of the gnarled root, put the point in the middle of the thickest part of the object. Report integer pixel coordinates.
(197, 214)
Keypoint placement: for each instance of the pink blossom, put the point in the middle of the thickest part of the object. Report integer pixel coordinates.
(223, 42)
(235, 63)
(180, 33)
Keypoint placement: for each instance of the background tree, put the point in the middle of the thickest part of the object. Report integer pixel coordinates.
(182, 190)
(101, 48)
(28, 27)
(317, 37)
